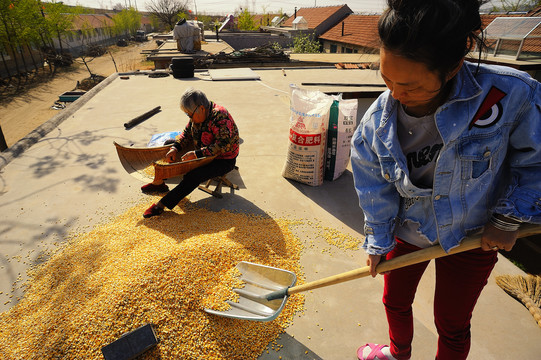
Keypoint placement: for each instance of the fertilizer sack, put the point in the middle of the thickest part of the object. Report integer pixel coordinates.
(342, 122)
(308, 123)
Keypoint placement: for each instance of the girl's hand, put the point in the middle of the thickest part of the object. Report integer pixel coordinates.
(373, 261)
(494, 239)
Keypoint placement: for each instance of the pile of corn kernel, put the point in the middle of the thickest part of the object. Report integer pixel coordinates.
(150, 171)
(164, 270)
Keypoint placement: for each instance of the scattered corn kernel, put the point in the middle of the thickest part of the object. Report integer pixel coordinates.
(162, 271)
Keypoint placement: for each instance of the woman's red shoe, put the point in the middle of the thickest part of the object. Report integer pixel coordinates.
(151, 188)
(154, 210)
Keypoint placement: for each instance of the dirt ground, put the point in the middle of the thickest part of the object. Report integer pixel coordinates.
(21, 114)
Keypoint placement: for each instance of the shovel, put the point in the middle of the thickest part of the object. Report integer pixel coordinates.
(267, 288)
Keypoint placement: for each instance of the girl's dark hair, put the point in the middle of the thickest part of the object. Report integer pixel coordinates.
(438, 33)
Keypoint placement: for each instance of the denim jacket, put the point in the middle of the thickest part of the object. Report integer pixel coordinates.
(490, 161)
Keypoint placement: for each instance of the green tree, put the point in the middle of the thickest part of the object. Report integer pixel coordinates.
(127, 22)
(304, 43)
(22, 29)
(25, 28)
(8, 35)
(59, 19)
(206, 20)
(245, 21)
(182, 15)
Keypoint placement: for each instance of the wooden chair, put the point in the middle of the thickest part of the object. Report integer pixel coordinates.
(219, 182)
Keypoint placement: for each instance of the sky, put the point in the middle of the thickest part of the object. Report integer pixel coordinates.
(224, 7)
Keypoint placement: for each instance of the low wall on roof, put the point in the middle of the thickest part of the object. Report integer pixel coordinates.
(241, 40)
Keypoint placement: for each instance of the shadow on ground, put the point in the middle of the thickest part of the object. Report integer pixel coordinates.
(337, 197)
(292, 349)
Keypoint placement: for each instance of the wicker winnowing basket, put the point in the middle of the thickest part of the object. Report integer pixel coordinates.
(138, 162)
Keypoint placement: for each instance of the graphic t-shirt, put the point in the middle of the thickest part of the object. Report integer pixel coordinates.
(421, 143)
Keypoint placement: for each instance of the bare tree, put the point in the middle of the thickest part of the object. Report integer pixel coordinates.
(167, 11)
(515, 5)
(118, 7)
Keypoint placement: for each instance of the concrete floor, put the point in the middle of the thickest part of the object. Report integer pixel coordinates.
(70, 179)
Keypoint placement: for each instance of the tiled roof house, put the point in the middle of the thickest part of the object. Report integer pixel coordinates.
(320, 19)
(535, 12)
(94, 21)
(263, 19)
(87, 29)
(358, 34)
(354, 34)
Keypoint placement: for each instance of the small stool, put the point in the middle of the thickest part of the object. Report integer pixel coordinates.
(219, 180)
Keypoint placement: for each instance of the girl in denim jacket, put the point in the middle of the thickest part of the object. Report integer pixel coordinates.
(450, 149)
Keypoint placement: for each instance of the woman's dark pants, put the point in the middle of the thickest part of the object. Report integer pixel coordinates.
(192, 179)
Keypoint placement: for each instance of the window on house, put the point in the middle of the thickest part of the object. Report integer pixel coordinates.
(334, 48)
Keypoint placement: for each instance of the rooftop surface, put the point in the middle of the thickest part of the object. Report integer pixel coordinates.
(71, 178)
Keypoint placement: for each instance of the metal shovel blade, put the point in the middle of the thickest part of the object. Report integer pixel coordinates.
(259, 280)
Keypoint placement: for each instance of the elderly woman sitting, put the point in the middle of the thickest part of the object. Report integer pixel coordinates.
(211, 131)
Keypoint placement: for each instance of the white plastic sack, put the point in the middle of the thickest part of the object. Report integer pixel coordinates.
(342, 122)
(308, 122)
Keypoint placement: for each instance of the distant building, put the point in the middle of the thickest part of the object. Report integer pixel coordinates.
(87, 29)
(315, 20)
(264, 20)
(146, 24)
(354, 34)
(359, 34)
(506, 45)
(319, 19)
(95, 29)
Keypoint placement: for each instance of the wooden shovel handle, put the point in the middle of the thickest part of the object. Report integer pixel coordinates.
(433, 252)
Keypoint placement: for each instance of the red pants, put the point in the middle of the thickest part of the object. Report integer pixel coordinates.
(459, 281)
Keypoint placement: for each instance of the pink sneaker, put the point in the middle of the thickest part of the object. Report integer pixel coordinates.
(374, 352)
